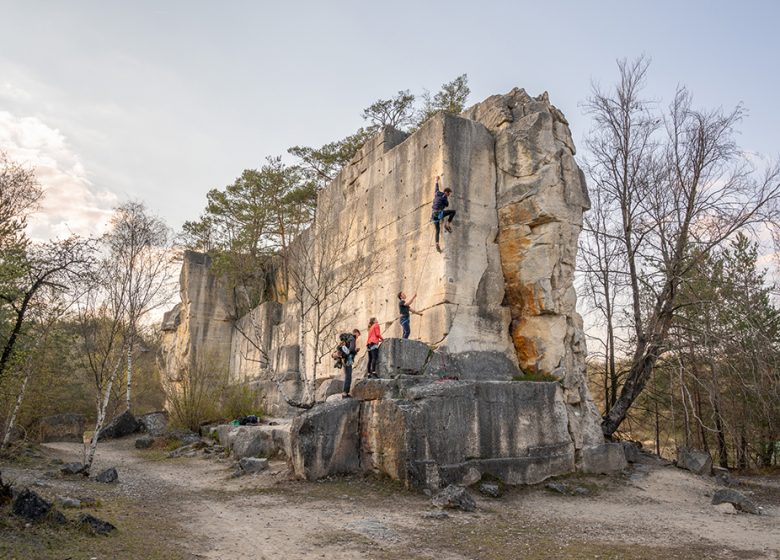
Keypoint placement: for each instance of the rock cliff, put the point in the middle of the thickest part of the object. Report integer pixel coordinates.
(498, 301)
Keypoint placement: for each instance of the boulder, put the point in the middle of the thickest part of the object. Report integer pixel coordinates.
(483, 365)
(108, 476)
(737, 499)
(95, 525)
(694, 460)
(632, 451)
(454, 497)
(154, 423)
(68, 502)
(437, 515)
(121, 426)
(62, 427)
(189, 450)
(490, 489)
(144, 442)
(603, 459)
(332, 386)
(72, 468)
(402, 356)
(722, 476)
(326, 440)
(253, 464)
(30, 505)
(256, 441)
(471, 477)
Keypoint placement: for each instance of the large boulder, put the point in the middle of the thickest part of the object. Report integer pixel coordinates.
(694, 460)
(604, 459)
(329, 387)
(737, 499)
(62, 427)
(454, 497)
(402, 356)
(439, 433)
(154, 423)
(326, 440)
(121, 426)
(256, 441)
(30, 505)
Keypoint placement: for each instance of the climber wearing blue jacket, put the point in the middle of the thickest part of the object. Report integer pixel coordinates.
(440, 202)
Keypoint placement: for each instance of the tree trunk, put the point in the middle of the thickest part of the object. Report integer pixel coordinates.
(129, 373)
(17, 405)
(641, 369)
(102, 405)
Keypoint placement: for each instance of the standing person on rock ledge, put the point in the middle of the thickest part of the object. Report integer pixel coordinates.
(404, 309)
(440, 202)
(373, 342)
(349, 349)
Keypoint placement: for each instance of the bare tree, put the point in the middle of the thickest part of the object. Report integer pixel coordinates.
(329, 264)
(680, 187)
(103, 330)
(139, 245)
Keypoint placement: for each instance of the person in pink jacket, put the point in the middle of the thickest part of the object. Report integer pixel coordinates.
(373, 342)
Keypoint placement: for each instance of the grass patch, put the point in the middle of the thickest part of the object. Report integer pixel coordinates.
(138, 535)
(545, 377)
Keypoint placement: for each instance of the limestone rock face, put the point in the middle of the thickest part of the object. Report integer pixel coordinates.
(198, 331)
(432, 434)
(540, 198)
(498, 299)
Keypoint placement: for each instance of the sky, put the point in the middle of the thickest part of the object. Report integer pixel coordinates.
(161, 101)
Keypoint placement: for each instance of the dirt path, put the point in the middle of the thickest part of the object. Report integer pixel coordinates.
(653, 512)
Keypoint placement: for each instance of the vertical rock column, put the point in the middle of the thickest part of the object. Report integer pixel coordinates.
(541, 195)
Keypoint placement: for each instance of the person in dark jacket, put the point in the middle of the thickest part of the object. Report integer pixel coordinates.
(404, 310)
(440, 203)
(349, 349)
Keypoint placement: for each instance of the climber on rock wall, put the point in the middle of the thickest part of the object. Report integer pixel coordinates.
(404, 309)
(440, 202)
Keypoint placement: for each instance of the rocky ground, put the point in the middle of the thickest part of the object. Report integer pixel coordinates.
(191, 508)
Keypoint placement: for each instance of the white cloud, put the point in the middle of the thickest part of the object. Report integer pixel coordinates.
(71, 204)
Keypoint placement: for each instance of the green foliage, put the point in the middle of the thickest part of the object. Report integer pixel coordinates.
(451, 98)
(535, 376)
(205, 394)
(397, 111)
(321, 165)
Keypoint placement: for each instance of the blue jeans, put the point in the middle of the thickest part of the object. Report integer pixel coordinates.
(405, 326)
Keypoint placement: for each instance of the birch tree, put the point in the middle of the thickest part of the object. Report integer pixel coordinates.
(138, 245)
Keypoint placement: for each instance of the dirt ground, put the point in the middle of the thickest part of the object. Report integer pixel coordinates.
(190, 508)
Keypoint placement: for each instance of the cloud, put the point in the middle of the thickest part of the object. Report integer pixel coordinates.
(71, 203)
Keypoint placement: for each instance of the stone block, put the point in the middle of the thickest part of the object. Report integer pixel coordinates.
(253, 464)
(144, 442)
(603, 459)
(477, 365)
(325, 440)
(402, 356)
(737, 499)
(256, 441)
(154, 423)
(328, 387)
(108, 476)
(121, 426)
(62, 427)
(632, 450)
(694, 460)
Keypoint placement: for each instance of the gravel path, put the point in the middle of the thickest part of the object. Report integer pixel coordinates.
(653, 512)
